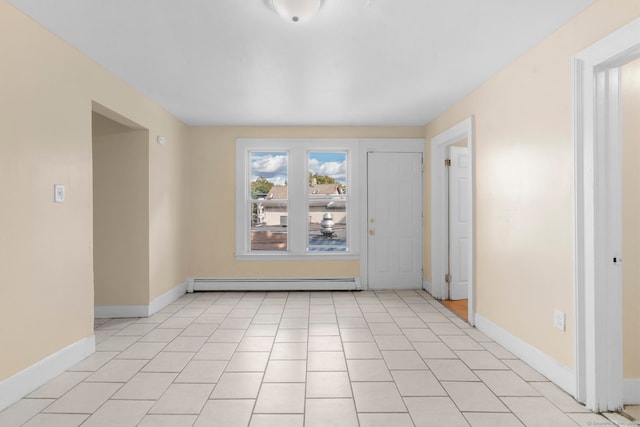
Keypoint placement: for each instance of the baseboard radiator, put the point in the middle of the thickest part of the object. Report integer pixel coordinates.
(275, 284)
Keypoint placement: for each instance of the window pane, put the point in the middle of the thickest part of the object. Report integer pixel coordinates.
(326, 169)
(327, 226)
(269, 226)
(327, 202)
(269, 200)
(269, 170)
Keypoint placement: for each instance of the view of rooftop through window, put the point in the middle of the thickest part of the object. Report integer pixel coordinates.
(326, 201)
(269, 217)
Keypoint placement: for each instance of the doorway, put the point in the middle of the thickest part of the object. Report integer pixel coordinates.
(459, 238)
(394, 218)
(630, 111)
(452, 235)
(459, 229)
(120, 166)
(600, 199)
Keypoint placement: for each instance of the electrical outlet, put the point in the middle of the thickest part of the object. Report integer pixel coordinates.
(559, 318)
(58, 193)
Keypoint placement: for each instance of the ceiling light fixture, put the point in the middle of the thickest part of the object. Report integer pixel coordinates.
(296, 10)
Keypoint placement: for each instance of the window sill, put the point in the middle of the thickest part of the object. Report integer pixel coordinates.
(298, 257)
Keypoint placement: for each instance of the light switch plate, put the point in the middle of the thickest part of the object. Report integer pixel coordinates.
(559, 319)
(58, 193)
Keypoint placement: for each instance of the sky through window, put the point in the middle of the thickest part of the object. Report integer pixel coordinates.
(273, 166)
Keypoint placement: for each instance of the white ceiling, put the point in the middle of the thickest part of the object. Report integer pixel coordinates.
(358, 62)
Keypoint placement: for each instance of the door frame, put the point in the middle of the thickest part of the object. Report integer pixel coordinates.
(439, 212)
(380, 145)
(598, 222)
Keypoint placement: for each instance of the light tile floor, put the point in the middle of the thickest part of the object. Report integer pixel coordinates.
(293, 359)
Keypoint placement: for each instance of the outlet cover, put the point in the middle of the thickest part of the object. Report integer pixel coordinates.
(559, 319)
(58, 193)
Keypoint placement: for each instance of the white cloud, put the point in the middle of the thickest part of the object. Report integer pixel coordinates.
(333, 169)
(269, 164)
(336, 170)
(314, 165)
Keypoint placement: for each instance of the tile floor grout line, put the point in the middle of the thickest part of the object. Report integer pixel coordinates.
(481, 382)
(394, 383)
(440, 382)
(172, 382)
(344, 354)
(244, 335)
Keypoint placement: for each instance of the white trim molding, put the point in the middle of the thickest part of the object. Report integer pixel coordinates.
(598, 227)
(297, 151)
(632, 391)
(167, 298)
(426, 285)
(24, 382)
(555, 371)
(439, 210)
(118, 311)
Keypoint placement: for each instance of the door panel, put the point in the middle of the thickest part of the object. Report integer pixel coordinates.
(459, 223)
(395, 220)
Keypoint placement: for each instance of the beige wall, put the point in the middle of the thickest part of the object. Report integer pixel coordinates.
(120, 213)
(461, 143)
(524, 182)
(631, 218)
(212, 233)
(46, 267)
(169, 193)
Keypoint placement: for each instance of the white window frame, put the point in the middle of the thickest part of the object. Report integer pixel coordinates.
(297, 223)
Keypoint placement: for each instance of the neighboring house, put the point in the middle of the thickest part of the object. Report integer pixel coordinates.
(323, 198)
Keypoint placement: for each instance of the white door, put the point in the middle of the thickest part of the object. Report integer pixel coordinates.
(459, 223)
(394, 220)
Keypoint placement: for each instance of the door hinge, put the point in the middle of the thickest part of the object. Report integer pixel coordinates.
(447, 162)
(447, 278)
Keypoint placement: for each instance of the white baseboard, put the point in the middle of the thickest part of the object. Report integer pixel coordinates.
(115, 311)
(24, 382)
(426, 285)
(556, 372)
(275, 284)
(167, 298)
(631, 392)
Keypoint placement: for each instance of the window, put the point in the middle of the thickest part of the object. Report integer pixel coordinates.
(268, 201)
(327, 202)
(293, 198)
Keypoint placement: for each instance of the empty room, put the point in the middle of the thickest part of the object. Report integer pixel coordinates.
(319, 213)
